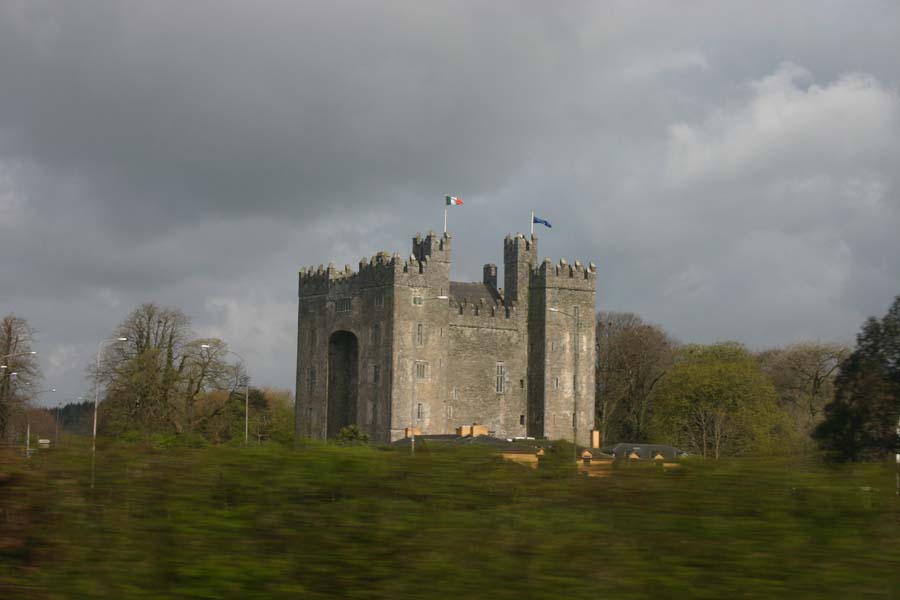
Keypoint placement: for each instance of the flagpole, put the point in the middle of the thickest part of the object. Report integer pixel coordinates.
(445, 219)
(532, 223)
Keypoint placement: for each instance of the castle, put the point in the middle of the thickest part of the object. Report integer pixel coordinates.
(397, 347)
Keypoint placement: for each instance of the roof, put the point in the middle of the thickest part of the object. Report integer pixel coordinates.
(483, 441)
(624, 449)
(473, 292)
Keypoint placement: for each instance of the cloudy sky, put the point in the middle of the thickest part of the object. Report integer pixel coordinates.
(732, 168)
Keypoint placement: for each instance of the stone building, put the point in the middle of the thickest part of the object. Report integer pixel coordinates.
(398, 345)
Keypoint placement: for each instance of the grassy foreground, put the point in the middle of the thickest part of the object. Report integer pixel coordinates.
(332, 522)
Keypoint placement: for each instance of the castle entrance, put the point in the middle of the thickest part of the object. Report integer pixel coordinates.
(343, 381)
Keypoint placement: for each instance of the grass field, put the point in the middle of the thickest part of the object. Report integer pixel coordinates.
(339, 522)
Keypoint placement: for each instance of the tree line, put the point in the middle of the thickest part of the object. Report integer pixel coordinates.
(724, 400)
(714, 400)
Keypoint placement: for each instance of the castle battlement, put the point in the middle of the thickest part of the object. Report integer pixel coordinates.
(564, 274)
(375, 271)
(432, 247)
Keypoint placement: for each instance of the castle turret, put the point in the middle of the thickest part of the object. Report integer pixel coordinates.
(561, 368)
(519, 256)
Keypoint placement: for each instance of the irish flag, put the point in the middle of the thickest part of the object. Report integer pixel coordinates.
(453, 201)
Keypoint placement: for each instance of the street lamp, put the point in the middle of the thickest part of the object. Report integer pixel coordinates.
(575, 386)
(412, 404)
(246, 395)
(97, 388)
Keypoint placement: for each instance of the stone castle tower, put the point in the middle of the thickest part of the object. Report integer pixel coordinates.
(397, 344)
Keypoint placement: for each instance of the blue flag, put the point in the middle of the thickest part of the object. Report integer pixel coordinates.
(540, 221)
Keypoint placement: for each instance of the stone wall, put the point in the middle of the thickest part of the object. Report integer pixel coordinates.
(428, 356)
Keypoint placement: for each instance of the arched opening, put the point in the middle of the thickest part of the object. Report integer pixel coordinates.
(343, 381)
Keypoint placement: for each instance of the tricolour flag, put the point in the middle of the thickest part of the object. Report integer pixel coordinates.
(453, 201)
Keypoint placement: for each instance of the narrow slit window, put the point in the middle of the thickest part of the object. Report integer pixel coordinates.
(311, 380)
(420, 334)
(500, 383)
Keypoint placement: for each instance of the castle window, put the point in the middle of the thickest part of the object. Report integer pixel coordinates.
(311, 306)
(421, 369)
(376, 333)
(376, 374)
(420, 334)
(342, 305)
(576, 313)
(556, 383)
(379, 299)
(500, 383)
(310, 380)
(521, 419)
(418, 301)
(419, 411)
(522, 384)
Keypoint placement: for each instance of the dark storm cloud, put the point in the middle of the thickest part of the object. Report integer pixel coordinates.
(730, 168)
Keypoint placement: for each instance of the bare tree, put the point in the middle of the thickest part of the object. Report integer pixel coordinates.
(16, 345)
(632, 356)
(154, 378)
(803, 375)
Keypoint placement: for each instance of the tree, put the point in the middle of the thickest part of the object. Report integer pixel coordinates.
(632, 357)
(862, 421)
(715, 401)
(16, 345)
(155, 378)
(803, 375)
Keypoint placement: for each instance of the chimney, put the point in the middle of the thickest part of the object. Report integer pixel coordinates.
(490, 276)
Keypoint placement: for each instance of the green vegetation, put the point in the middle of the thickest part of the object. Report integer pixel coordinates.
(716, 401)
(863, 420)
(357, 522)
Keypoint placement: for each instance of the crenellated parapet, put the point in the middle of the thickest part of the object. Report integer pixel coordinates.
(433, 247)
(518, 246)
(379, 270)
(564, 275)
(482, 313)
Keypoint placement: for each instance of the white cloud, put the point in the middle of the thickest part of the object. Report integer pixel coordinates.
(789, 124)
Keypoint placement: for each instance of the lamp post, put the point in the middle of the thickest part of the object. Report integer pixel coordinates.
(97, 388)
(246, 394)
(415, 375)
(575, 386)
